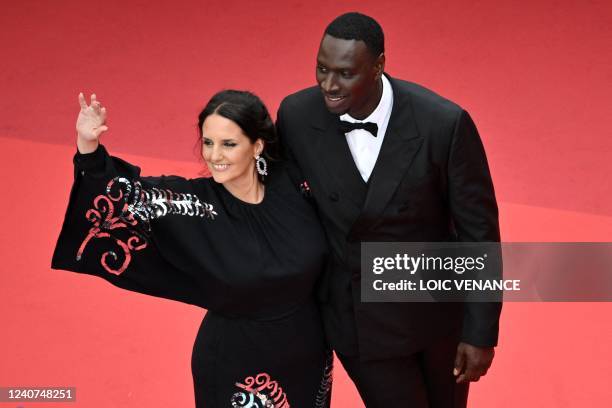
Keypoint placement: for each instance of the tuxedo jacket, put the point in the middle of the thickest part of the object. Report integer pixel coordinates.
(431, 183)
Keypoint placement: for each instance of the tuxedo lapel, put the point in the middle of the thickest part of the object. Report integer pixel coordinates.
(335, 155)
(402, 142)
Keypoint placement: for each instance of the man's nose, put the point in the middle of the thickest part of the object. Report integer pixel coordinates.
(329, 84)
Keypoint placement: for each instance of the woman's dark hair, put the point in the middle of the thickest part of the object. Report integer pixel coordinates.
(247, 111)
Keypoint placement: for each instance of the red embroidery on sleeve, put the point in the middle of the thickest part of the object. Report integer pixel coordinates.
(126, 205)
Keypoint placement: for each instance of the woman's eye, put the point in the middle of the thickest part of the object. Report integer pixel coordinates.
(207, 142)
(229, 144)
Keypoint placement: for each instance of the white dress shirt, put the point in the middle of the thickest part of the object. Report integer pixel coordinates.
(365, 147)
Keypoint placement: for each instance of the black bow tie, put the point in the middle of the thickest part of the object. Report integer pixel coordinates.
(371, 127)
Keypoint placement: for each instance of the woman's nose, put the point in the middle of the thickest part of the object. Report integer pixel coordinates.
(212, 153)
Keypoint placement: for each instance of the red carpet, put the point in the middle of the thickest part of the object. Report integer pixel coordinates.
(535, 77)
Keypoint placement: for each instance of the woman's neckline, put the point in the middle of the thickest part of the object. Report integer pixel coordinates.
(246, 203)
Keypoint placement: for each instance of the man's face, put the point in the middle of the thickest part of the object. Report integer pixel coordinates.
(348, 75)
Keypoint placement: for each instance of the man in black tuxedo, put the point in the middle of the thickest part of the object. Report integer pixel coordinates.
(388, 160)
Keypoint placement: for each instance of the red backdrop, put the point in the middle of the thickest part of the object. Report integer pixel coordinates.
(535, 76)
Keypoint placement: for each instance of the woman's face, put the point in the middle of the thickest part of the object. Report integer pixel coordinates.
(228, 152)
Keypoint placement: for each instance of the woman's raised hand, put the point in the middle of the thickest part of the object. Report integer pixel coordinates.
(91, 123)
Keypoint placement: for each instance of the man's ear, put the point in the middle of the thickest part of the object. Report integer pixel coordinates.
(379, 65)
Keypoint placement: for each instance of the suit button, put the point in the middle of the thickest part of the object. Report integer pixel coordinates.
(334, 196)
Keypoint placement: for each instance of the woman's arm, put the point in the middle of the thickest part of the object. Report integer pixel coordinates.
(122, 227)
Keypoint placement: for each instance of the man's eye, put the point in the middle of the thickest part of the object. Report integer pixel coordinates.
(346, 74)
(321, 69)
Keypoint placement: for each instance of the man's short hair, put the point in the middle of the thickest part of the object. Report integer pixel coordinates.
(357, 26)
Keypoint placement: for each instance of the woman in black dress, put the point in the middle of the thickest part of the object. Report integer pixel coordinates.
(246, 251)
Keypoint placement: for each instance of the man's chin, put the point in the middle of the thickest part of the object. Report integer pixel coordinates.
(336, 110)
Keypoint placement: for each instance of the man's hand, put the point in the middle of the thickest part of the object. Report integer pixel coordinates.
(472, 362)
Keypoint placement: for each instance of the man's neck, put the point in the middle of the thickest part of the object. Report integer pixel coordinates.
(372, 104)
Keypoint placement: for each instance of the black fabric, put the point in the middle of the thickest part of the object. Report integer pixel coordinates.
(422, 380)
(253, 266)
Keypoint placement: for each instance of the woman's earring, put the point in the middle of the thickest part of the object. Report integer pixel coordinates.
(262, 166)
